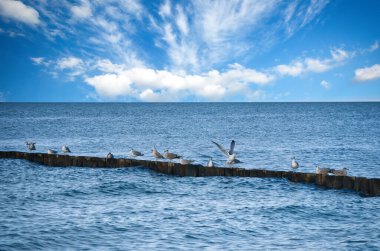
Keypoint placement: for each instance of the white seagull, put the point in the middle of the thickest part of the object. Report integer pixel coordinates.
(135, 153)
(31, 145)
(170, 156)
(341, 172)
(109, 155)
(294, 164)
(51, 151)
(156, 153)
(231, 156)
(185, 161)
(320, 170)
(65, 149)
(210, 163)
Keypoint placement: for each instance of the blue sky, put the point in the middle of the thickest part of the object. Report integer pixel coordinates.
(131, 50)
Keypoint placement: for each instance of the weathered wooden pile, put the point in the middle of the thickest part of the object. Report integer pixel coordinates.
(365, 186)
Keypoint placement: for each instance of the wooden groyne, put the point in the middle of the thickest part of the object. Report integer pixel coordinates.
(364, 186)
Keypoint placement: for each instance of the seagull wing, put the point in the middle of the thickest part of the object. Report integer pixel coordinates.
(232, 147)
(224, 151)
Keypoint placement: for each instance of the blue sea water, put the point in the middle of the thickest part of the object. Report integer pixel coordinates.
(54, 208)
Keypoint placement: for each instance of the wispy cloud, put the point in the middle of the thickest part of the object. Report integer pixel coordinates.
(224, 31)
(18, 11)
(367, 73)
(82, 11)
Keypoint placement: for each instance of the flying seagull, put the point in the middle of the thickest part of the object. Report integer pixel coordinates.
(231, 156)
(65, 149)
(31, 145)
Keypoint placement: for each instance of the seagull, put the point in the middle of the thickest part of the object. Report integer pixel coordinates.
(341, 172)
(320, 170)
(210, 163)
(294, 164)
(231, 156)
(109, 155)
(135, 153)
(185, 161)
(31, 145)
(65, 149)
(170, 156)
(156, 154)
(50, 151)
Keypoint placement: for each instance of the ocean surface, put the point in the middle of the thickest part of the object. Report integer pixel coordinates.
(55, 208)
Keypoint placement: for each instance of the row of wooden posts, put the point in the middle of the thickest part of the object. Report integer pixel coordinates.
(364, 186)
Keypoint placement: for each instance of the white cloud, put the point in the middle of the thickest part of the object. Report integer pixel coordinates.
(300, 66)
(154, 85)
(82, 11)
(325, 84)
(69, 63)
(37, 60)
(18, 11)
(293, 69)
(165, 9)
(367, 73)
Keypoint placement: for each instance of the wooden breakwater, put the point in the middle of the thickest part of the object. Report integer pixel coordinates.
(365, 186)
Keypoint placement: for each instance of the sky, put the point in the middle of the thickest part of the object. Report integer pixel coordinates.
(189, 51)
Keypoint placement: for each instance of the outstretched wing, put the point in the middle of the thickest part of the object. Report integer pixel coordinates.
(232, 147)
(224, 151)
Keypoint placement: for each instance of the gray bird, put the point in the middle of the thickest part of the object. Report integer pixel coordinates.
(31, 145)
(156, 153)
(170, 156)
(294, 165)
(134, 153)
(65, 149)
(51, 151)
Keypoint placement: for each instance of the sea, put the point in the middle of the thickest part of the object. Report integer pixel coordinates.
(73, 208)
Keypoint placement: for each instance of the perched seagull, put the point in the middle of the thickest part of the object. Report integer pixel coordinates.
(294, 164)
(31, 145)
(210, 163)
(231, 156)
(109, 155)
(156, 154)
(170, 156)
(341, 172)
(320, 170)
(50, 151)
(65, 149)
(135, 153)
(185, 161)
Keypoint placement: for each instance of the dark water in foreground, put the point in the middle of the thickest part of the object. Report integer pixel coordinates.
(136, 209)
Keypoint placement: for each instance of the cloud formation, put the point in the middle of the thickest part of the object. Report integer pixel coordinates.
(18, 11)
(300, 66)
(160, 85)
(367, 73)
